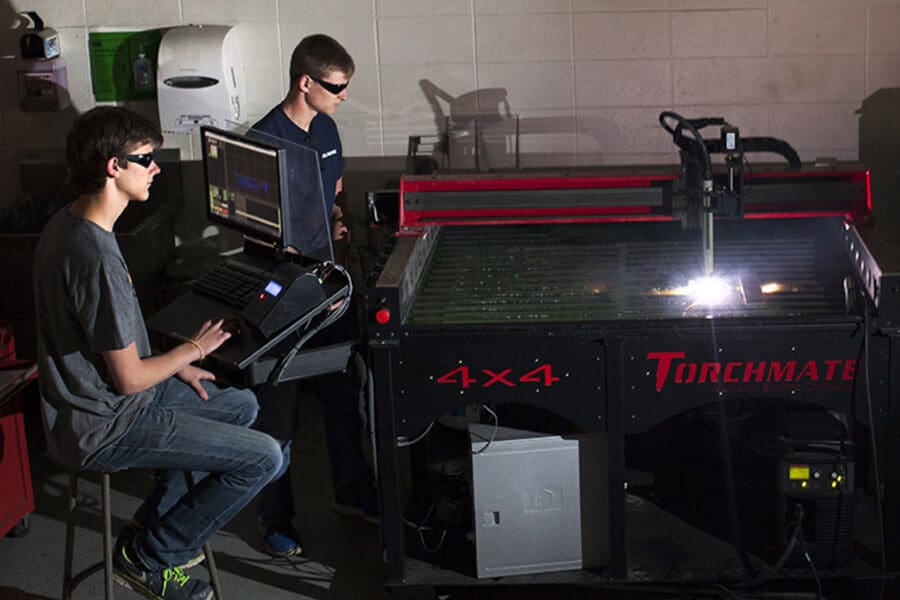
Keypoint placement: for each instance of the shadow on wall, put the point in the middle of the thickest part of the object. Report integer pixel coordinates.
(479, 132)
(879, 148)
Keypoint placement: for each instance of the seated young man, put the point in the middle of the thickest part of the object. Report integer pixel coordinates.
(107, 402)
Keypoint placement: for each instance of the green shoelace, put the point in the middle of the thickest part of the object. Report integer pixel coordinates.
(175, 575)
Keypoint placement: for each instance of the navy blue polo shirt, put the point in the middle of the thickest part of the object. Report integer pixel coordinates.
(308, 223)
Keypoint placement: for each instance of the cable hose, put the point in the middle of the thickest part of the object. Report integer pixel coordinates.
(771, 570)
(873, 447)
(682, 122)
(282, 364)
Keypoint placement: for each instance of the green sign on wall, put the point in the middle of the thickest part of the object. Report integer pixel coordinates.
(123, 64)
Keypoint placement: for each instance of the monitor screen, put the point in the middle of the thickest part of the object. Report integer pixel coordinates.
(246, 185)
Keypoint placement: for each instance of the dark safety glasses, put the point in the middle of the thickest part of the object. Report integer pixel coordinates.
(334, 88)
(145, 160)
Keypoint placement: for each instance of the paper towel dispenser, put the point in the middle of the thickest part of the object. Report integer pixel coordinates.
(200, 78)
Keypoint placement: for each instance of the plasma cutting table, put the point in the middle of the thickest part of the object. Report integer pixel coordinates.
(740, 420)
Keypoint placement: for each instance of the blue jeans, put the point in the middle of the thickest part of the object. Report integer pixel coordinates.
(179, 432)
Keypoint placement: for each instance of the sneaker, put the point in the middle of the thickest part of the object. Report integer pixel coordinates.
(281, 540)
(129, 531)
(367, 510)
(166, 584)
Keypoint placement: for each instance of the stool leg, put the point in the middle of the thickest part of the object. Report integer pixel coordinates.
(207, 551)
(70, 580)
(213, 572)
(107, 537)
(71, 503)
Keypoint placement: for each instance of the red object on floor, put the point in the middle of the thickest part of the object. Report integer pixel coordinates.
(17, 498)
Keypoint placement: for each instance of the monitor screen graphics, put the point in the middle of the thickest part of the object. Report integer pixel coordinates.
(246, 185)
(307, 218)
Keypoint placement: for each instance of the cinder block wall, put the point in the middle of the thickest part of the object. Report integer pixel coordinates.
(586, 78)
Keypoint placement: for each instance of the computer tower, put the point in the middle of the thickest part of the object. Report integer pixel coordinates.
(540, 502)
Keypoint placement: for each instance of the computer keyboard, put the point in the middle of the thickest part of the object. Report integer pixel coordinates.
(232, 282)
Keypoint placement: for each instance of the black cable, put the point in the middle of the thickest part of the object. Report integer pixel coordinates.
(403, 441)
(746, 189)
(676, 134)
(761, 144)
(737, 538)
(422, 528)
(493, 431)
(874, 449)
(798, 515)
(284, 361)
(812, 567)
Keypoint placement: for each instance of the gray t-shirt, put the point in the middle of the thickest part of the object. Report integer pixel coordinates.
(85, 304)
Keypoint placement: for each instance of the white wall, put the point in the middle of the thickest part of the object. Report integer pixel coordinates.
(587, 77)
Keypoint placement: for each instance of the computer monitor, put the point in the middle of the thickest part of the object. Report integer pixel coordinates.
(246, 185)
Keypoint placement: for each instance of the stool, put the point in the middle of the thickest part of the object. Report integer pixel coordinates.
(71, 581)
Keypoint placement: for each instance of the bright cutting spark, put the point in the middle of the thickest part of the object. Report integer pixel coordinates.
(707, 292)
(711, 291)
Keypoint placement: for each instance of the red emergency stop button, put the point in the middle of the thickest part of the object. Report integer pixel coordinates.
(382, 316)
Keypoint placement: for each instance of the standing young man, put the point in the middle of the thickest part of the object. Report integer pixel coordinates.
(320, 72)
(107, 403)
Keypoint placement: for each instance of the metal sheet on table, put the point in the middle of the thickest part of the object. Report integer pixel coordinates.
(619, 271)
